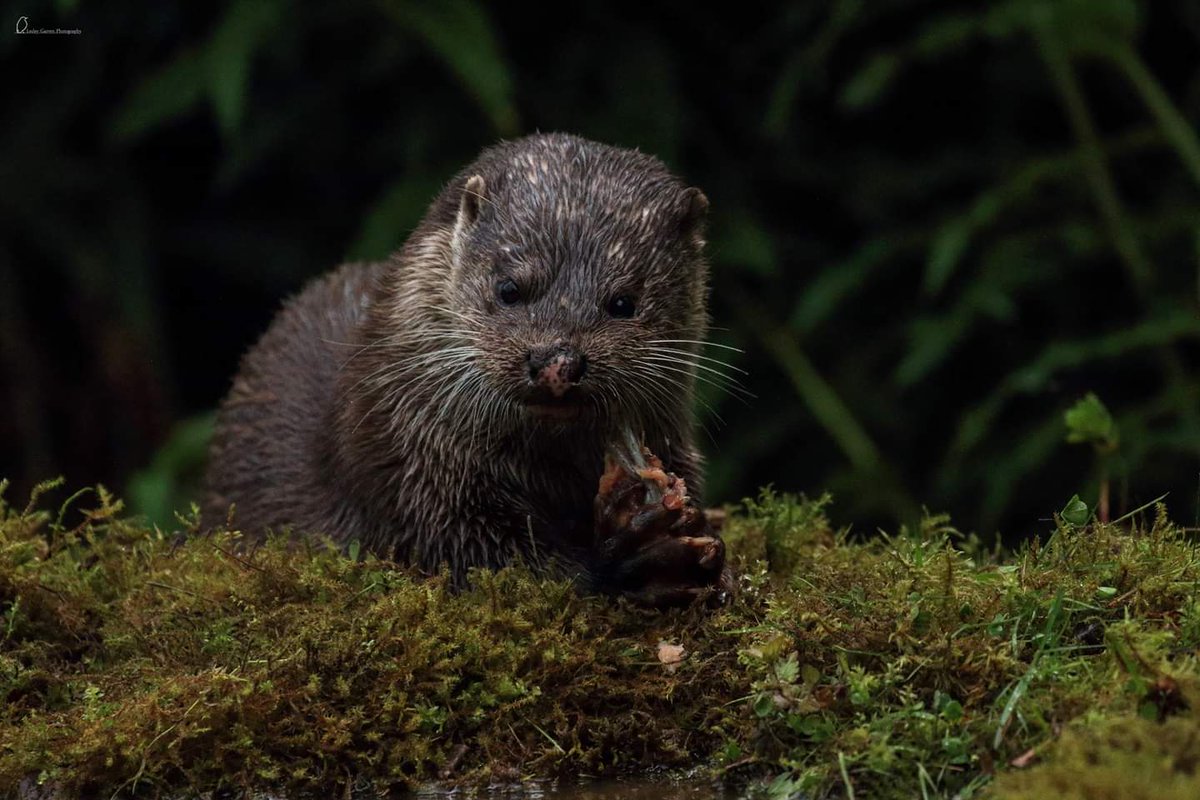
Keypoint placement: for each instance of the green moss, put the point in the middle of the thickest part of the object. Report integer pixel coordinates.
(140, 661)
(1122, 759)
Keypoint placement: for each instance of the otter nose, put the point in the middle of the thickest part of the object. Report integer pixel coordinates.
(557, 367)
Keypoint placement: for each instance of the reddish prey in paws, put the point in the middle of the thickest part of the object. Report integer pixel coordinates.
(657, 546)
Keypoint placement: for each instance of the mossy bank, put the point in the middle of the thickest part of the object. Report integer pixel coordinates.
(136, 662)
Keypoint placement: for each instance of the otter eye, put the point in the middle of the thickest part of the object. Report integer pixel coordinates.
(508, 293)
(621, 306)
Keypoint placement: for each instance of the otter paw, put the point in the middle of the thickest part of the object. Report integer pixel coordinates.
(653, 544)
(666, 570)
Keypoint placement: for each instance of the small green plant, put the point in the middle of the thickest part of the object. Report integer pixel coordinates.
(1089, 422)
(1076, 512)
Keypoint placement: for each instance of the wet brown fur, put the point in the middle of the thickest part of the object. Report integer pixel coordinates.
(384, 404)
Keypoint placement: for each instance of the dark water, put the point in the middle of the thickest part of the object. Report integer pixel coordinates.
(643, 789)
(598, 790)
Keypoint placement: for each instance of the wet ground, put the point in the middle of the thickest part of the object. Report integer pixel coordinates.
(598, 790)
(644, 789)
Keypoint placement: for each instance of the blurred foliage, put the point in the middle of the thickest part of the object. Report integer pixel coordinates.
(935, 225)
(159, 490)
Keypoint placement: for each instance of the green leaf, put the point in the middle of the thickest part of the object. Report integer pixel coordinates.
(218, 69)
(930, 341)
(955, 748)
(462, 35)
(810, 674)
(1090, 27)
(946, 34)
(813, 726)
(245, 27)
(155, 490)
(948, 248)
(1089, 421)
(952, 241)
(787, 669)
(839, 281)
(865, 88)
(742, 242)
(165, 94)
(1076, 512)
(784, 787)
(393, 217)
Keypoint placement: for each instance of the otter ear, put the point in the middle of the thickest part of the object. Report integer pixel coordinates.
(695, 214)
(474, 195)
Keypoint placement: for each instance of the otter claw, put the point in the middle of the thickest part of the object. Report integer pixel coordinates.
(713, 550)
(691, 520)
(659, 569)
(661, 596)
(649, 518)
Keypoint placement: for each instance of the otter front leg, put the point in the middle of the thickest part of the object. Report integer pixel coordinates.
(653, 544)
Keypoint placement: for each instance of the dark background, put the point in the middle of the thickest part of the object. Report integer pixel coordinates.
(935, 226)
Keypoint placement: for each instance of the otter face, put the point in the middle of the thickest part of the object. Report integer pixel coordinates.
(581, 266)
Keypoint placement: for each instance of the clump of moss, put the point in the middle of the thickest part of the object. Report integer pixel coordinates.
(1115, 758)
(137, 661)
(921, 664)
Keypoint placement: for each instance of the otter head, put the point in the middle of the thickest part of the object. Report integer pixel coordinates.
(578, 270)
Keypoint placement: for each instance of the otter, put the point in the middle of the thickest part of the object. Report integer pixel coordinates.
(452, 406)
